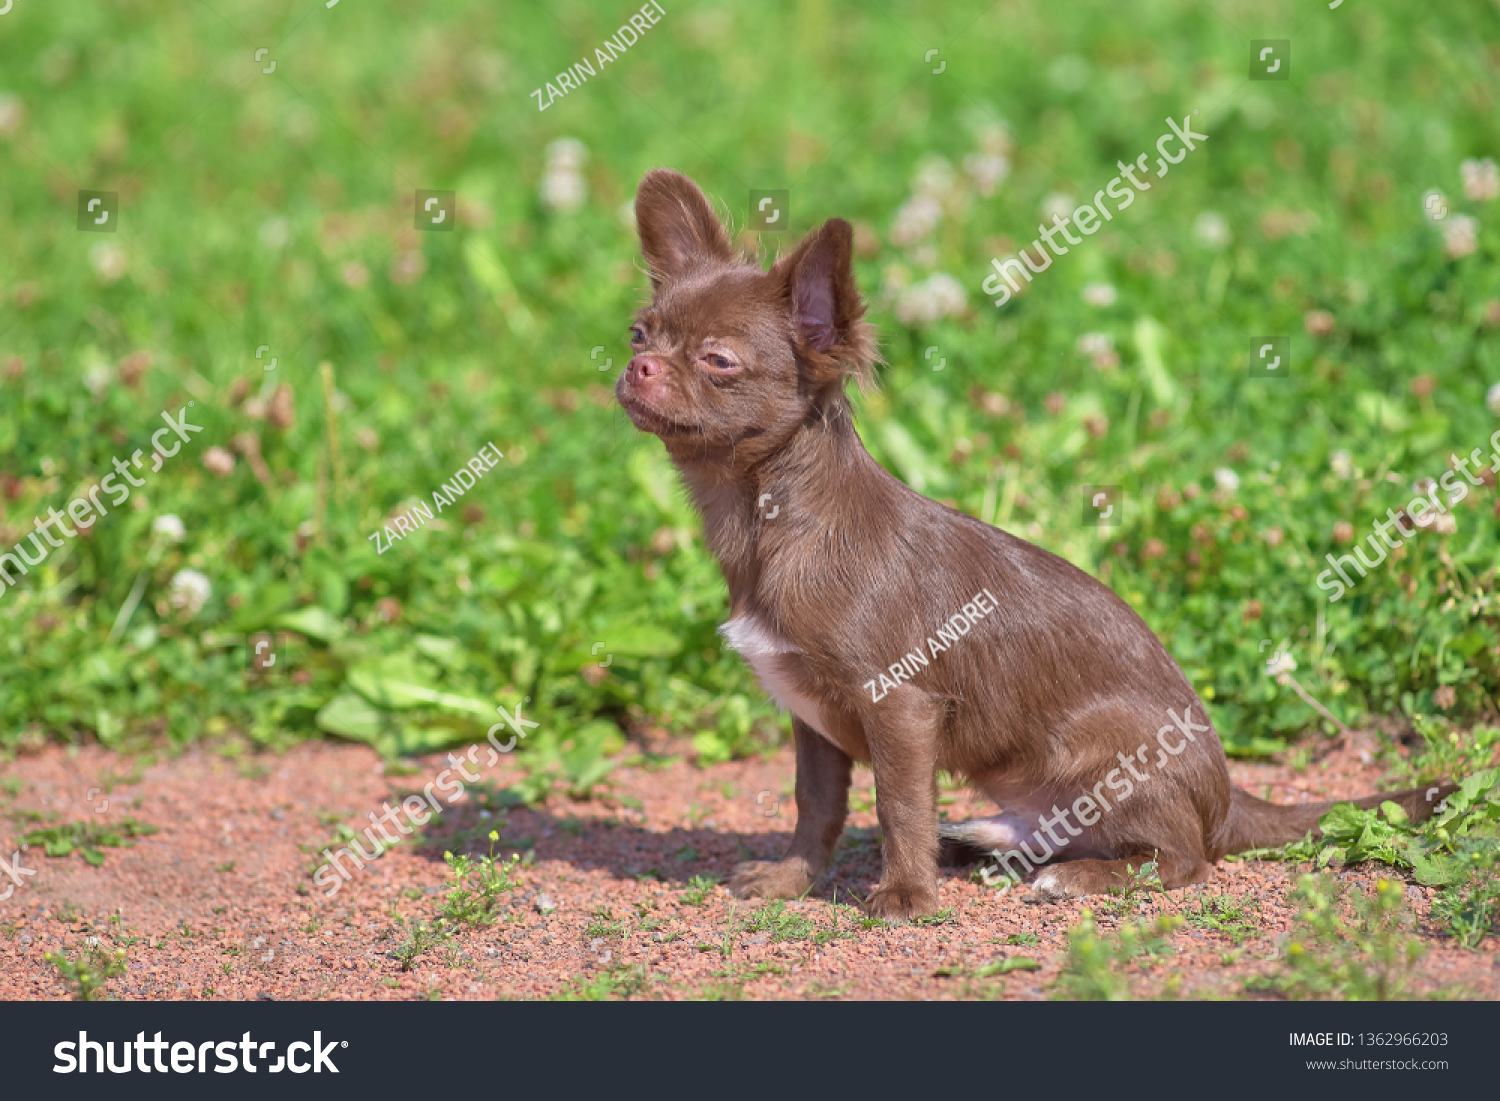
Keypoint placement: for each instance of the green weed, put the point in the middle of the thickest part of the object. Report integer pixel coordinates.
(1098, 962)
(1439, 852)
(479, 887)
(699, 888)
(415, 939)
(1346, 945)
(1470, 907)
(89, 971)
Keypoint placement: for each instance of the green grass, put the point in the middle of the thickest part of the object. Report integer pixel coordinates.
(610, 984)
(699, 888)
(602, 924)
(779, 924)
(277, 210)
(88, 838)
(1222, 914)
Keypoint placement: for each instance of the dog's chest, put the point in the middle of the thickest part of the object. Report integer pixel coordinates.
(769, 654)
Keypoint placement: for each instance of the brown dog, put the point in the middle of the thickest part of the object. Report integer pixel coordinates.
(897, 631)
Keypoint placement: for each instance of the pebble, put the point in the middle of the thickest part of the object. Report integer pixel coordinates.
(544, 904)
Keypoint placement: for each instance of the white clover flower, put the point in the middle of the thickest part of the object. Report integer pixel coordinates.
(275, 233)
(1481, 179)
(219, 461)
(12, 113)
(1095, 344)
(171, 526)
(1211, 230)
(1057, 204)
(189, 590)
(108, 261)
(1460, 236)
(564, 189)
(915, 220)
(1100, 295)
(1099, 347)
(1279, 663)
(934, 177)
(1226, 479)
(1492, 399)
(939, 295)
(563, 192)
(988, 171)
(1342, 464)
(97, 378)
(994, 140)
(566, 153)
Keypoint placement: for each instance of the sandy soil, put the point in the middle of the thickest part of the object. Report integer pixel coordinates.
(220, 903)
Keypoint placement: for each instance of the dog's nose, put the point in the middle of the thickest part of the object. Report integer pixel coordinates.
(644, 367)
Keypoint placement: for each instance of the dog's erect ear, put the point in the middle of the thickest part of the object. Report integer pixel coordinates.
(825, 305)
(677, 225)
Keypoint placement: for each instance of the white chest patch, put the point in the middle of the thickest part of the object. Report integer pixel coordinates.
(762, 647)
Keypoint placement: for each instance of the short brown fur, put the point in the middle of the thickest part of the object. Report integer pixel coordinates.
(742, 373)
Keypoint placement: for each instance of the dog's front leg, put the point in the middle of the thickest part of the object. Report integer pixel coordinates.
(903, 732)
(822, 804)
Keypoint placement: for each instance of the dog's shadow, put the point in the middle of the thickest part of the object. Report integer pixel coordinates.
(629, 850)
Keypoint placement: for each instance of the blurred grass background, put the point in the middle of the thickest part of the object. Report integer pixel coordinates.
(276, 209)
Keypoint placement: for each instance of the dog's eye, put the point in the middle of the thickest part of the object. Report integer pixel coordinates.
(723, 363)
(636, 336)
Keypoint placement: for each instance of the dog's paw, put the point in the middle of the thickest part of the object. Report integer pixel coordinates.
(770, 879)
(1078, 878)
(1055, 883)
(901, 904)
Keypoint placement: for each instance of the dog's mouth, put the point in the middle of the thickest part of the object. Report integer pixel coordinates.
(649, 420)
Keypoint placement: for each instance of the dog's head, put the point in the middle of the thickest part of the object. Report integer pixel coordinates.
(730, 359)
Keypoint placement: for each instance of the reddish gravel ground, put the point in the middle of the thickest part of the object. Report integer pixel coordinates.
(219, 904)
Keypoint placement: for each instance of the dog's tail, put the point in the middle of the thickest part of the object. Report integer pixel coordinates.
(1256, 824)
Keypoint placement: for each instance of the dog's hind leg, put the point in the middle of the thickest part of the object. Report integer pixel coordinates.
(1097, 877)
